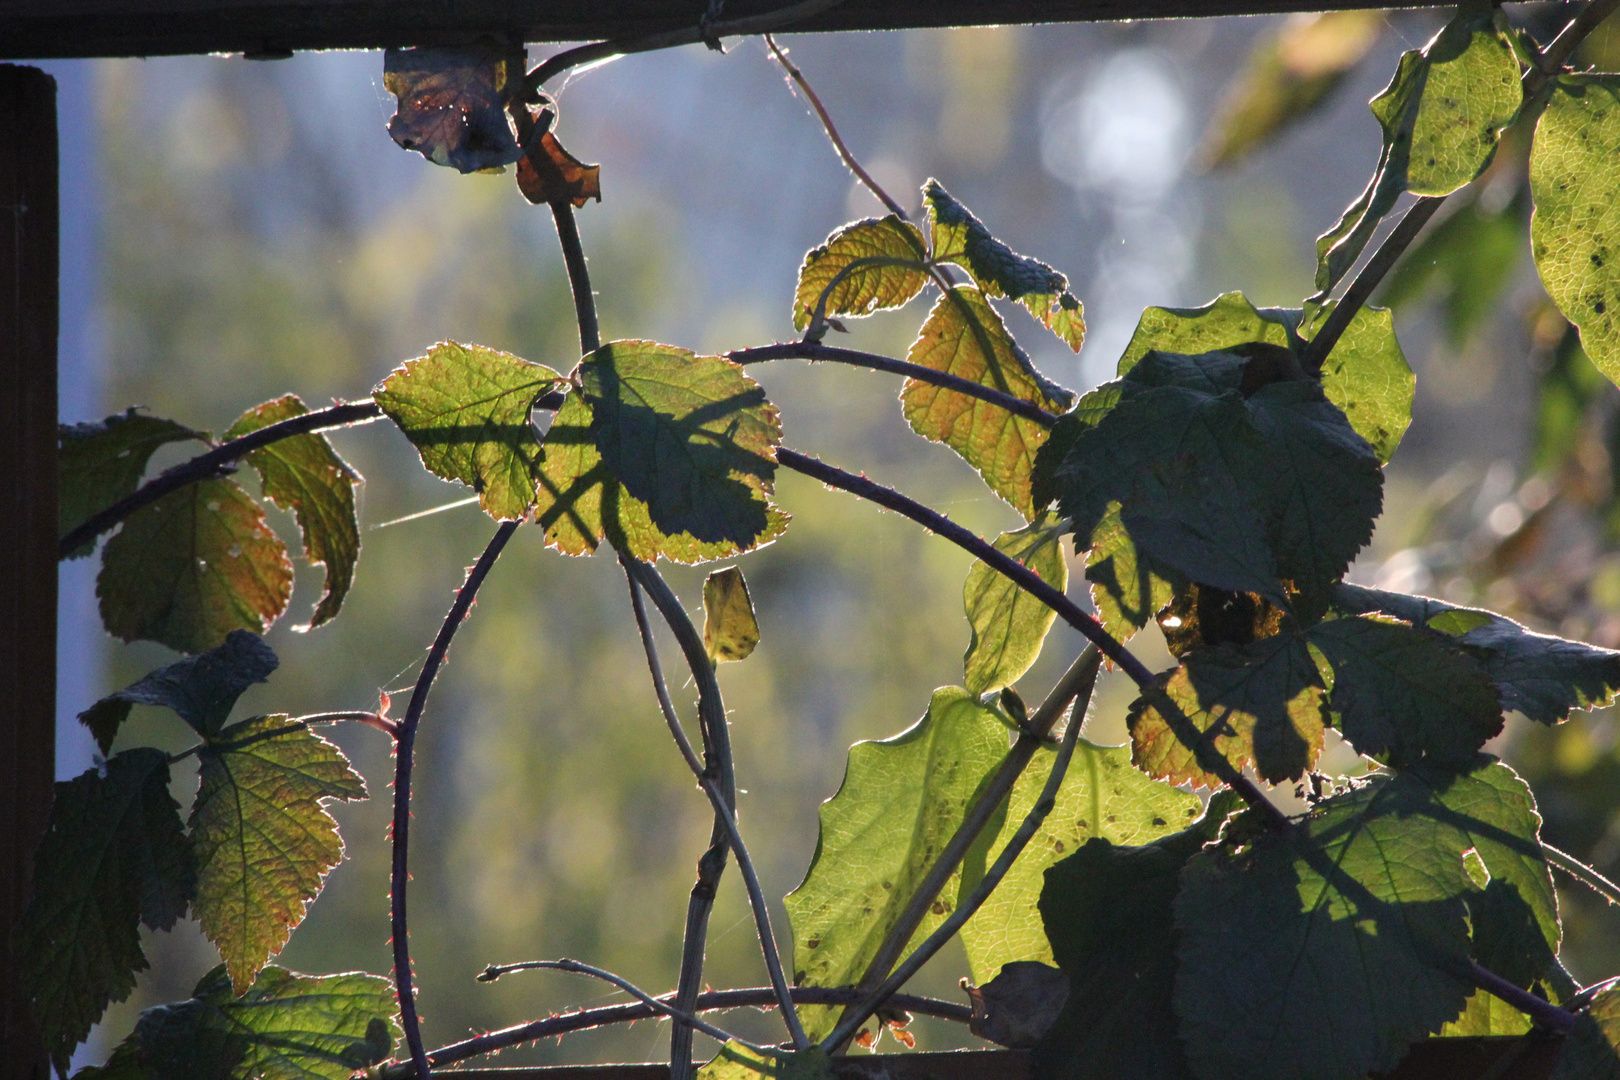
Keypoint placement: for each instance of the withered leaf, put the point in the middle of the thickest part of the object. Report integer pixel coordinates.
(548, 173)
(452, 102)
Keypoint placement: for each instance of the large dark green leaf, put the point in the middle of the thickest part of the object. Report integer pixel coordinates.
(998, 270)
(98, 464)
(1107, 910)
(263, 838)
(203, 689)
(1574, 234)
(1338, 941)
(900, 802)
(882, 284)
(1406, 692)
(690, 436)
(581, 501)
(286, 1026)
(999, 445)
(1542, 676)
(305, 475)
(466, 410)
(192, 567)
(1102, 796)
(1592, 1050)
(113, 857)
(1441, 116)
(1259, 704)
(1008, 624)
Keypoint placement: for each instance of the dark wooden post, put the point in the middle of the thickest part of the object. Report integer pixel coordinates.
(28, 322)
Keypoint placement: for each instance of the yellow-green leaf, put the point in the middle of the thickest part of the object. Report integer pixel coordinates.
(193, 566)
(736, 1061)
(896, 273)
(1128, 587)
(466, 410)
(305, 475)
(730, 630)
(1008, 624)
(998, 444)
(263, 838)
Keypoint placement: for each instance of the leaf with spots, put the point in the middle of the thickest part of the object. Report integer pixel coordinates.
(730, 630)
(964, 336)
(901, 800)
(452, 103)
(193, 566)
(98, 464)
(286, 1026)
(263, 838)
(1102, 796)
(872, 265)
(113, 857)
(1575, 233)
(998, 270)
(305, 475)
(466, 410)
(1008, 624)
(1260, 704)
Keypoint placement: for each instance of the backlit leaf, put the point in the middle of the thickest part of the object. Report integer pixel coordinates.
(998, 444)
(1575, 233)
(1102, 795)
(547, 172)
(1259, 704)
(1287, 76)
(900, 802)
(1127, 587)
(305, 475)
(203, 689)
(692, 437)
(1107, 910)
(736, 1061)
(263, 838)
(193, 566)
(878, 286)
(1486, 1014)
(452, 103)
(113, 857)
(286, 1026)
(1008, 624)
(1406, 692)
(1592, 1050)
(98, 464)
(1347, 930)
(580, 501)
(730, 630)
(998, 270)
(1225, 321)
(1539, 675)
(466, 409)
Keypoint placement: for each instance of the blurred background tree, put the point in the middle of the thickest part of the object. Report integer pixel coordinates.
(256, 232)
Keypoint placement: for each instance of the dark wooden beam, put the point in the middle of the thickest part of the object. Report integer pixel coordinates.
(28, 320)
(50, 29)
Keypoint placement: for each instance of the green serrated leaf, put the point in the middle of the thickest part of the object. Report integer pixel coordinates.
(98, 464)
(580, 501)
(1102, 796)
(114, 856)
(1107, 910)
(1228, 320)
(1260, 704)
(737, 1061)
(192, 567)
(1573, 236)
(263, 838)
(900, 802)
(1127, 587)
(878, 286)
(998, 270)
(104, 718)
(1592, 1050)
(203, 689)
(1406, 692)
(1347, 930)
(730, 630)
(690, 436)
(1486, 1014)
(1441, 115)
(1541, 676)
(286, 1026)
(466, 410)
(123, 1064)
(1000, 446)
(1008, 624)
(305, 475)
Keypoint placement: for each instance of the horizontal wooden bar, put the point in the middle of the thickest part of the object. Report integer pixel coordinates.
(64, 29)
